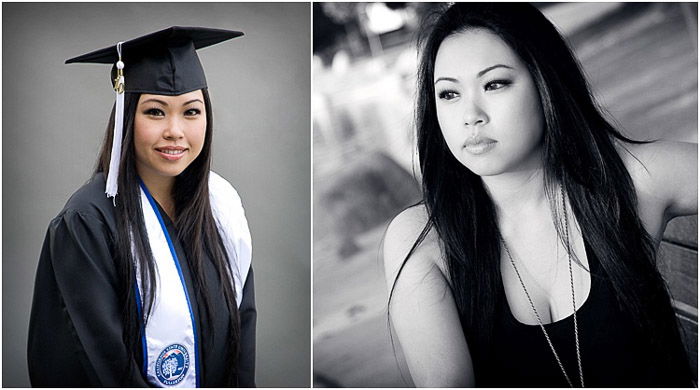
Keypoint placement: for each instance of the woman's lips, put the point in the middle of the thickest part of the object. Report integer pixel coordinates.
(171, 153)
(479, 146)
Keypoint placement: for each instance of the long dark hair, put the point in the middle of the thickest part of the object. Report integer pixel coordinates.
(196, 229)
(579, 154)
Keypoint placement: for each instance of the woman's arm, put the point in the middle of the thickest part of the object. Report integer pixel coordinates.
(422, 309)
(75, 328)
(665, 175)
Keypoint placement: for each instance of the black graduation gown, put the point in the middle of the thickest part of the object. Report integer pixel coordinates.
(75, 329)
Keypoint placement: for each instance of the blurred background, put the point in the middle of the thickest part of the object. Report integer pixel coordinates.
(641, 60)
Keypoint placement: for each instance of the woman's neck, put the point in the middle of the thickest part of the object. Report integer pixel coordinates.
(517, 194)
(161, 188)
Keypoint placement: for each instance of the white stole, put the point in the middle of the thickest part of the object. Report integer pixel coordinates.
(170, 356)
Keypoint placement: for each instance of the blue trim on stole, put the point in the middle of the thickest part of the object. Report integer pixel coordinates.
(144, 346)
(179, 271)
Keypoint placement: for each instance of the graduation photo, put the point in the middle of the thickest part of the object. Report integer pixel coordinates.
(156, 195)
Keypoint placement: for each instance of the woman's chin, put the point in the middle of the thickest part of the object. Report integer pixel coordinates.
(497, 166)
(163, 172)
(482, 169)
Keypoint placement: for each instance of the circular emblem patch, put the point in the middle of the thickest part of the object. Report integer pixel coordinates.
(172, 364)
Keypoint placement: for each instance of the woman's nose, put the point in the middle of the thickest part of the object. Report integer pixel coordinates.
(174, 129)
(474, 115)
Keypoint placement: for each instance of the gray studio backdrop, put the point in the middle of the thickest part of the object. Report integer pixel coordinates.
(54, 117)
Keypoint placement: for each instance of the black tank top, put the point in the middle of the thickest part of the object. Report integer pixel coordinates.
(613, 352)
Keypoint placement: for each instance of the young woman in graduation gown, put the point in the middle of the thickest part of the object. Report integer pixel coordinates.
(149, 284)
(531, 260)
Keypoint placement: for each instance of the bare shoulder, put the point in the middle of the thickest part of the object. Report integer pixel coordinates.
(664, 174)
(643, 161)
(401, 236)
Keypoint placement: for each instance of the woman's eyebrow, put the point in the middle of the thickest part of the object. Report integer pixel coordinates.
(490, 68)
(454, 80)
(481, 73)
(155, 101)
(192, 101)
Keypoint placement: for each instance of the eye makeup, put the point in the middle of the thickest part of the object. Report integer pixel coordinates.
(153, 111)
(497, 84)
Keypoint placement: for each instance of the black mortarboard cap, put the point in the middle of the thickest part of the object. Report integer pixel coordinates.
(164, 62)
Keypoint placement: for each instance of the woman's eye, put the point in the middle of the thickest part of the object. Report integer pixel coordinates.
(448, 95)
(154, 112)
(193, 112)
(496, 84)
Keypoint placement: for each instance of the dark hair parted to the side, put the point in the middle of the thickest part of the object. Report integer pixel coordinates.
(196, 229)
(579, 153)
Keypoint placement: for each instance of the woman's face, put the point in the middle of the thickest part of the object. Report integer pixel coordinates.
(169, 133)
(487, 104)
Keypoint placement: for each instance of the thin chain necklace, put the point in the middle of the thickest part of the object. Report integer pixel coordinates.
(573, 299)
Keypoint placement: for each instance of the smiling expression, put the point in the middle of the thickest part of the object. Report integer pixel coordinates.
(487, 104)
(169, 133)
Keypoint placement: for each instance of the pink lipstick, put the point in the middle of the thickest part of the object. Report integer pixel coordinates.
(171, 153)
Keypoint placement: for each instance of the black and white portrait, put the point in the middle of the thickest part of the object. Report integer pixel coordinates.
(505, 194)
